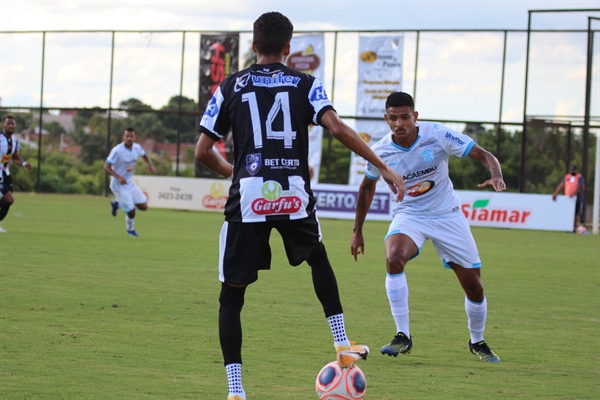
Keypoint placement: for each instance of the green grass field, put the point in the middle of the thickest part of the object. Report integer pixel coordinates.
(90, 313)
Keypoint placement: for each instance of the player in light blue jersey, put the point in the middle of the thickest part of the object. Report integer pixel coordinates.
(419, 152)
(120, 165)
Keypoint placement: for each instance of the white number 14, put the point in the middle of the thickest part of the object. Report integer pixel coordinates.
(281, 104)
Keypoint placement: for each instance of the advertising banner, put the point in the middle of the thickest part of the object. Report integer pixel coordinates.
(481, 208)
(518, 210)
(339, 201)
(308, 55)
(219, 58)
(379, 74)
(184, 193)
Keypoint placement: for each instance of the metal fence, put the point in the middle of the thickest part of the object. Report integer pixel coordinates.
(535, 91)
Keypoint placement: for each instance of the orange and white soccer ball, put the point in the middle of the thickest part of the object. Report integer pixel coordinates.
(335, 383)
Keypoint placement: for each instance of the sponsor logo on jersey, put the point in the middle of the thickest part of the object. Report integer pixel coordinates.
(241, 82)
(452, 138)
(479, 211)
(419, 174)
(427, 156)
(6, 158)
(420, 188)
(212, 108)
(275, 200)
(276, 80)
(253, 163)
(282, 163)
(428, 142)
(318, 94)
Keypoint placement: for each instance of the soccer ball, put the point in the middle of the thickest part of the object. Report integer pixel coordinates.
(338, 383)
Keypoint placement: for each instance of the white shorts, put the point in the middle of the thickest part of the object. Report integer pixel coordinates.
(450, 234)
(127, 195)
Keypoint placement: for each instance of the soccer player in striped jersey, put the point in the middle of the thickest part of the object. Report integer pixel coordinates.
(9, 153)
(268, 108)
(120, 164)
(419, 152)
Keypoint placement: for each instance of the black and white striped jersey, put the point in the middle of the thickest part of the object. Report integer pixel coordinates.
(268, 108)
(8, 146)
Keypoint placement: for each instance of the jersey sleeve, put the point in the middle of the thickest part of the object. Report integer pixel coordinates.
(372, 172)
(140, 150)
(319, 100)
(112, 157)
(17, 145)
(453, 142)
(215, 121)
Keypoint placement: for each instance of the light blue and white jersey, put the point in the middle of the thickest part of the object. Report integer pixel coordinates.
(123, 160)
(424, 167)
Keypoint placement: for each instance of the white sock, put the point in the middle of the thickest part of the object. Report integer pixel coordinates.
(397, 292)
(234, 380)
(476, 315)
(338, 329)
(129, 223)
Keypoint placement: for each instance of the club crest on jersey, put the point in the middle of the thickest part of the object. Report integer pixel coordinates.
(420, 188)
(241, 82)
(253, 163)
(275, 200)
(427, 156)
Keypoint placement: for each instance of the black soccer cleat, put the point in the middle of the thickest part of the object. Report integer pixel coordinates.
(400, 344)
(483, 351)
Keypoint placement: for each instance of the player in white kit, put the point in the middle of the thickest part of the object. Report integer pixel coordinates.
(120, 165)
(419, 152)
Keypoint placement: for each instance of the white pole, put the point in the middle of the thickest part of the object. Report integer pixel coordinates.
(597, 185)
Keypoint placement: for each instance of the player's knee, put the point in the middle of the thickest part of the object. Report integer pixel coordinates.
(395, 263)
(318, 256)
(142, 207)
(232, 296)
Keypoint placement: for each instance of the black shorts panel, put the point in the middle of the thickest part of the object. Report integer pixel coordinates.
(245, 249)
(6, 184)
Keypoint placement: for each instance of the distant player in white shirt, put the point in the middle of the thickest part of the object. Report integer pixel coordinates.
(120, 165)
(419, 152)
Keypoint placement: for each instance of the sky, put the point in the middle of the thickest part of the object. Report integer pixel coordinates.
(451, 66)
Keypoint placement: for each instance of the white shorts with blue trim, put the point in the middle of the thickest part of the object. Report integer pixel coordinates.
(450, 234)
(127, 195)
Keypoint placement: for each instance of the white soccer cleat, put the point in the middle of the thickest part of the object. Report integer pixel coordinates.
(2, 230)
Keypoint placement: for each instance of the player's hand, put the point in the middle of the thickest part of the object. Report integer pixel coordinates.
(497, 183)
(28, 167)
(152, 169)
(122, 180)
(553, 197)
(357, 245)
(395, 182)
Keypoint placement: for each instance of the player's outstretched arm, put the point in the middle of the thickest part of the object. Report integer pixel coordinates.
(207, 156)
(351, 140)
(488, 160)
(19, 161)
(149, 163)
(365, 197)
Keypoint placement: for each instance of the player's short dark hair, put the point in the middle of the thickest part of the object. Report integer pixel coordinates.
(7, 117)
(272, 32)
(130, 129)
(399, 99)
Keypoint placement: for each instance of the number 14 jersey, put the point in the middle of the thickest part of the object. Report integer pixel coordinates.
(268, 108)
